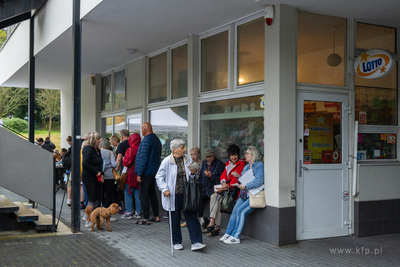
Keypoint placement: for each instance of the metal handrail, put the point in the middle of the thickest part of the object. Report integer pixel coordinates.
(14, 131)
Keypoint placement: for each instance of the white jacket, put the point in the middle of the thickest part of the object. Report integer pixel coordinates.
(166, 179)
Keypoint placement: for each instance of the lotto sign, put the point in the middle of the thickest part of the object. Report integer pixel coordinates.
(373, 64)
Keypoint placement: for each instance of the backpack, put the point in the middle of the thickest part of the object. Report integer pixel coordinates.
(67, 160)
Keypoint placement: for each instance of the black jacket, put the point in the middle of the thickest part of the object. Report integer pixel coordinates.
(92, 163)
(48, 145)
(216, 169)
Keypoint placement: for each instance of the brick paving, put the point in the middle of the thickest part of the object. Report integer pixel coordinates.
(141, 245)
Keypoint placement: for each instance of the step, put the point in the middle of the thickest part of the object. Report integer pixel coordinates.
(24, 214)
(44, 223)
(6, 205)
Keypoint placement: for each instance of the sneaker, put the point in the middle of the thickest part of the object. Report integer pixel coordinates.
(122, 211)
(165, 217)
(197, 246)
(232, 240)
(112, 219)
(224, 237)
(137, 216)
(178, 246)
(84, 218)
(127, 215)
(83, 206)
(183, 224)
(69, 202)
(87, 224)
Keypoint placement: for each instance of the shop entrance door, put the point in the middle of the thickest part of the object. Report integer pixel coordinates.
(322, 202)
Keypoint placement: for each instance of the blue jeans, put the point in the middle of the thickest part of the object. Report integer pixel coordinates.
(236, 221)
(129, 199)
(85, 195)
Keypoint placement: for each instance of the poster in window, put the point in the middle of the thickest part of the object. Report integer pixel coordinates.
(362, 115)
(321, 134)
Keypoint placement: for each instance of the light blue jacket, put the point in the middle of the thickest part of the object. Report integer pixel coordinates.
(258, 172)
(166, 179)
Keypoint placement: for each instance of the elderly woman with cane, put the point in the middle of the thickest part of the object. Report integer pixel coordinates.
(171, 178)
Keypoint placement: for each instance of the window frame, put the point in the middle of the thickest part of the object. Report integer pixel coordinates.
(112, 75)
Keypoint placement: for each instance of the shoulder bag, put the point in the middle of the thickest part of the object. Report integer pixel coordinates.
(192, 193)
(116, 174)
(121, 183)
(228, 200)
(257, 201)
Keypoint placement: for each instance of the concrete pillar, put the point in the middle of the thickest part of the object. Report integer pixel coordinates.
(66, 111)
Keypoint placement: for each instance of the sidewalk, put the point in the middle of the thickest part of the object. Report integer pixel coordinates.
(140, 245)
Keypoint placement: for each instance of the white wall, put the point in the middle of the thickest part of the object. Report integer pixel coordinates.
(378, 182)
(66, 114)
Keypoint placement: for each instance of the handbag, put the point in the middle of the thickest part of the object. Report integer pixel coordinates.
(228, 201)
(192, 197)
(116, 174)
(257, 201)
(122, 181)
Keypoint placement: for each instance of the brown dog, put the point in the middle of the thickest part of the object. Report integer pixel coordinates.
(100, 214)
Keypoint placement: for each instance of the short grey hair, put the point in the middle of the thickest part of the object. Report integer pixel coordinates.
(176, 143)
(253, 150)
(104, 143)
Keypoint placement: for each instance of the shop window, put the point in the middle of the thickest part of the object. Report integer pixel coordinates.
(179, 87)
(106, 93)
(119, 96)
(235, 121)
(168, 124)
(119, 124)
(158, 78)
(135, 123)
(372, 36)
(107, 127)
(321, 49)
(376, 146)
(250, 56)
(214, 62)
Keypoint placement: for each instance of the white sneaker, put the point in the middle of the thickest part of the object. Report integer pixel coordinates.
(112, 219)
(224, 237)
(197, 246)
(127, 215)
(137, 216)
(178, 246)
(84, 218)
(232, 240)
(87, 224)
(69, 202)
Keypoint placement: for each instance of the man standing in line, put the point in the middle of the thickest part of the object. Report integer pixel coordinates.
(148, 160)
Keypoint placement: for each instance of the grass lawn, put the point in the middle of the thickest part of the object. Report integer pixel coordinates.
(55, 137)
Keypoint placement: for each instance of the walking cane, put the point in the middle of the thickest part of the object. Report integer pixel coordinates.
(170, 225)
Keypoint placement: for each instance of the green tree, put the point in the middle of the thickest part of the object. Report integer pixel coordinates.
(3, 37)
(11, 98)
(49, 100)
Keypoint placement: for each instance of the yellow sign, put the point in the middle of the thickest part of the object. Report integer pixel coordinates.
(321, 134)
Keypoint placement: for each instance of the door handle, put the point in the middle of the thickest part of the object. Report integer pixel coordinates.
(301, 167)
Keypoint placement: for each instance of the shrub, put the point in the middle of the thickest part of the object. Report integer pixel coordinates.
(16, 124)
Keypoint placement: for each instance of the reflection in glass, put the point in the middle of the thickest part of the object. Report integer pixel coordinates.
(179, 72)
(106, 93)
(251, 52)
(214, 62)
(119, 96)
(319, 37)
(235, 121)
(376, 146)
(322, 132)
(106, 127)
(372, 36)
(376, 100)
(168, 124)
(134, 124)
(119, 124)
(158, 78)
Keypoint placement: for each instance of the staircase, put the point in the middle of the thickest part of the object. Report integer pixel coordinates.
(16, 216)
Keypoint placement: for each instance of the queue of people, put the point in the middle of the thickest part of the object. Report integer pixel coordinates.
(140, 159)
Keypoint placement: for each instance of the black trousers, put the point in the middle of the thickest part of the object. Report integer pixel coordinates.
(93, 190)
(147, 191)
(204, 199)
(109, 191)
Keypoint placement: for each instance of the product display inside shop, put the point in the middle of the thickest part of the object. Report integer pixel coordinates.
(235, 121)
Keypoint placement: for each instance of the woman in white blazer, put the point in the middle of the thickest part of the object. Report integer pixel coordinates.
(171, 178)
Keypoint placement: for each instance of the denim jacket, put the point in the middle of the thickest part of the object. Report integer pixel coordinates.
(258, 172)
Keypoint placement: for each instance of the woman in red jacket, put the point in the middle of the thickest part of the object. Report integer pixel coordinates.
(233, 169)
(131, 185)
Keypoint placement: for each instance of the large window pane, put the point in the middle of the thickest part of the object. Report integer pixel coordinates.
(319, 39)
(119, 124)
(119, 97)
(179, 72)
(106, 127)
(376, 146)
(372, 36)
(251, 52)
(214, 62)
(158, 78)
(168, 124)
(235, 121)
(106, 93)
(135, 123)
(376, 100)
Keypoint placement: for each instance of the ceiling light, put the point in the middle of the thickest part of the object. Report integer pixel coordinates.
(130, 51)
